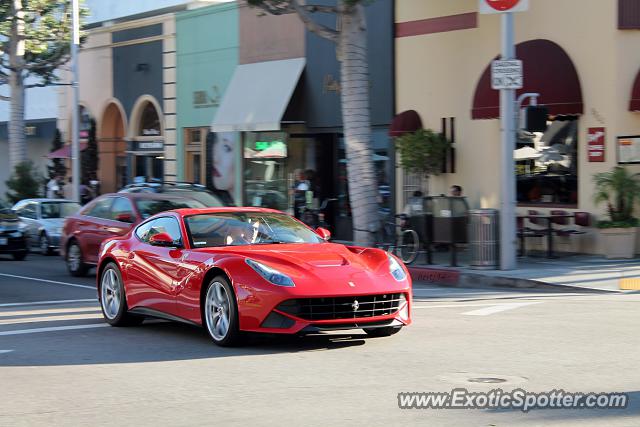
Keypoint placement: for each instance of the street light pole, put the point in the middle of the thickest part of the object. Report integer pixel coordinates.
(508, 185)
(75, 127)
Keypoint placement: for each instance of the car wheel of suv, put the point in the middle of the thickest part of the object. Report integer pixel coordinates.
(75, 263)
(221, 312)
(19, 256)
(113, 300)
(382, 332)
(44, 244)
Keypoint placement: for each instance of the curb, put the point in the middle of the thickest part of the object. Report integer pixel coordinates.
(454, 278)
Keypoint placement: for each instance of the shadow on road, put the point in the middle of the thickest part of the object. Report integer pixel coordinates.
(153, 342)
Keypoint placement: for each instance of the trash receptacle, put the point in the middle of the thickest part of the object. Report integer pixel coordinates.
(483, 230)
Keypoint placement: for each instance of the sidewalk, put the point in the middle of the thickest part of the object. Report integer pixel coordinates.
(585, 273)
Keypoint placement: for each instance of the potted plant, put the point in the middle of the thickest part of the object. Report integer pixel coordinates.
(423, 152)
(619, 189)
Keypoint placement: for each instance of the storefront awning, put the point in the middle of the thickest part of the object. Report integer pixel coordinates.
(406, 122)
(258, 95)
(634, 103)
(65, 152)
(547, 69)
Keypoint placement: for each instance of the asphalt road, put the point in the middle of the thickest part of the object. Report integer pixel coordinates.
(61, 365)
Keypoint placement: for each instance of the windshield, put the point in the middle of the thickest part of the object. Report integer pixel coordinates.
(150, 207)
(246, 228)
(52, 210)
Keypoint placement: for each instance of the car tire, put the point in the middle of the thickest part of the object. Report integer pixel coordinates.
(113, 298)
(20, 256)
(382, 332)
(74, 258)
(43, 244)
(220, 313)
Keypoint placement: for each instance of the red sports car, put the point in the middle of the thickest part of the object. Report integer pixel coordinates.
(235, 270)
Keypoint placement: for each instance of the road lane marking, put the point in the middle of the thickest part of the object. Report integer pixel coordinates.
(5, 351)
(61, 301)
(55, 282)
(53, 329)
(450, 305)
(498, 308)
(57, 318)
(51, 311)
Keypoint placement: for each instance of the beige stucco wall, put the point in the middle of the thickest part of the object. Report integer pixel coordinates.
(436, 74)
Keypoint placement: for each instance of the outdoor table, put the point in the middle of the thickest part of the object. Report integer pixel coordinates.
(549, 230)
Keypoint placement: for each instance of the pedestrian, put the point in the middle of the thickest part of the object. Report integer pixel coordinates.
(455, 191)
(299, 190)
(414, 204)
(53, 188)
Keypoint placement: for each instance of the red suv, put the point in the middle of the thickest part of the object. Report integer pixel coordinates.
(108, 216)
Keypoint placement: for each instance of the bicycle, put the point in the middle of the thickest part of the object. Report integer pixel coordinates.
(405, 243)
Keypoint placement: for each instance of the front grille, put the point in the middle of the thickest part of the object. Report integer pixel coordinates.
(333, 308)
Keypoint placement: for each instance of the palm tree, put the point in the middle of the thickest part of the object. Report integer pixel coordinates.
(620, 190)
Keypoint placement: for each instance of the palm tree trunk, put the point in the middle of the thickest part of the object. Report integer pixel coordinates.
(354, 70)
(17, 143)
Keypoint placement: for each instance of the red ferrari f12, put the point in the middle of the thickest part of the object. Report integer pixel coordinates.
(235, 270)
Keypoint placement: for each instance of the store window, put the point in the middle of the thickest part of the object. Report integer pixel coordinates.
(265, 173)
(194, 157)
(149, 121)
(547, 165)
(384, 170)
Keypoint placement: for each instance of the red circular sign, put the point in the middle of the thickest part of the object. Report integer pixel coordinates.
(502, 5)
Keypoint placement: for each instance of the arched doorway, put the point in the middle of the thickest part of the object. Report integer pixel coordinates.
(112, 170)
(146, 136)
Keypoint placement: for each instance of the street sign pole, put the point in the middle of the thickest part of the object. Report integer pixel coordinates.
(508, 187)
(75, 128)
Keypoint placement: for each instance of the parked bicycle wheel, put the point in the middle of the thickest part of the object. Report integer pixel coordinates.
(408, 246)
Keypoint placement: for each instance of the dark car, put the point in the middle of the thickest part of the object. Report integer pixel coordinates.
(108, 216)
(12, 238)
(184, 189)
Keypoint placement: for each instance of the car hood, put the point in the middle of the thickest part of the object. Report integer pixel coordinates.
(323, 266)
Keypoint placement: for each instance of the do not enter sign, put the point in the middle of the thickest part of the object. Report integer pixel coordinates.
(501, 6)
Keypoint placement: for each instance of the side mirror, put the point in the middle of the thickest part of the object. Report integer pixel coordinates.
(162, 239)
(124, 217)
(323, 233)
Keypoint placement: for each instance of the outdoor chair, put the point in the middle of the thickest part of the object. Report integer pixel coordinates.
(524, 232)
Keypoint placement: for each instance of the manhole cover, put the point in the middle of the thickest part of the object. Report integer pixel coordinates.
(487, 380)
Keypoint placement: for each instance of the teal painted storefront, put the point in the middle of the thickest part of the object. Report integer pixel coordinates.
(207, 42)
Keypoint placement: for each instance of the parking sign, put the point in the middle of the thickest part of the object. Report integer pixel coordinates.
(506, 74)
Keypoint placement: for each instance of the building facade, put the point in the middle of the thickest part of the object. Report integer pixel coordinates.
(584, 70)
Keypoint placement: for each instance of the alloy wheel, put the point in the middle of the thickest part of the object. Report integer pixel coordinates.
(217, 311)
(74, 257)
(110, 293)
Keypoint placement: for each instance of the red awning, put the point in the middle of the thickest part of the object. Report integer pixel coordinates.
(405, 122)
(65, 152)
(634, 103)
(547, 69)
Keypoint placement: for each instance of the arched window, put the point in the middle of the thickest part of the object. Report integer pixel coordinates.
(149, 121)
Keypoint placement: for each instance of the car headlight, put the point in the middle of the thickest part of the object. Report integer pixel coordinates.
(22, 226)
(270, 274)
(396, 269)
(16, 234)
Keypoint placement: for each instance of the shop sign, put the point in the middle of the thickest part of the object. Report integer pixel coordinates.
(506, 74)
(629, 149)
(153, 145)
(266, 150)
(202, 99)
(596, 142)
(502, 6)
